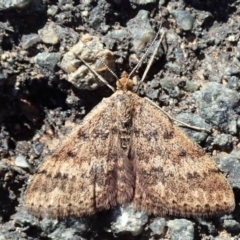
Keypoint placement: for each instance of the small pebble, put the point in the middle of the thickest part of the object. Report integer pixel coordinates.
(158, 225)
(21, 162)
(184, 19)
(230, 164)
(231, 226)
(129, 220)
(180, 229)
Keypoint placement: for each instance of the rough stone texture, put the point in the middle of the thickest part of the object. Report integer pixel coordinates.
(217, 104)
(130, 221)
(180, 229)
(39, 107)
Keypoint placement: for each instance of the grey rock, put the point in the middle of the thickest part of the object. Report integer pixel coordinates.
(216, 104)
(191, 86)
(233, 69)
(175, 67)
(230, 165)
(129, 220)
(232, 128)
(48, 225)
(171, 37)
(152, 93)
(231, 226)
(197, 121)
(68, 229)
(234, 83)
(180, 229)
(23, 219)
(141, 30)
(158, 225)
(29, 40)
(170, 86)
(211, 228)
(47, 60)
(214, 69)
(222, 141)
(97, 15)
(118, 34)
(184, 19)
(65, 234)
(178, 53)
(21, 162)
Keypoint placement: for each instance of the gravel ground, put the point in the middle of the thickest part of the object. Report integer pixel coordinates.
(45, 90)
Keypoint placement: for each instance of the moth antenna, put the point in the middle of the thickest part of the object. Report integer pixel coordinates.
(176, 120)
(108, 68)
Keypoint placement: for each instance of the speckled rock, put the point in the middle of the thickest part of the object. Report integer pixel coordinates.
(217, 103)
(184, 19)
(91, 50)
(141, 30)
(233, 83)
(231, 225)
(170, 85)
(230, 165)
(158, 225)
(180, 229)
(191, 86)
(47, 60)
(222, 141)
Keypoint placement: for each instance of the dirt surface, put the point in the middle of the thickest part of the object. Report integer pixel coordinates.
(194, 77)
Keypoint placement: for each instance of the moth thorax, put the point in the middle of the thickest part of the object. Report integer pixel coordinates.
(124, 83)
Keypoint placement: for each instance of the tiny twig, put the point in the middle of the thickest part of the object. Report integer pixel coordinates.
(98, 75)
(176, 120)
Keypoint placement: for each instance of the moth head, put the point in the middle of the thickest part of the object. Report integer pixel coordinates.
(124, 83)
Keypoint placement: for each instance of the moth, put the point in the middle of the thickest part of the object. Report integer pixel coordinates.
(126, 150)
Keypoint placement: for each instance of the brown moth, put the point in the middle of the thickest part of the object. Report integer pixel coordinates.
(126, 150)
